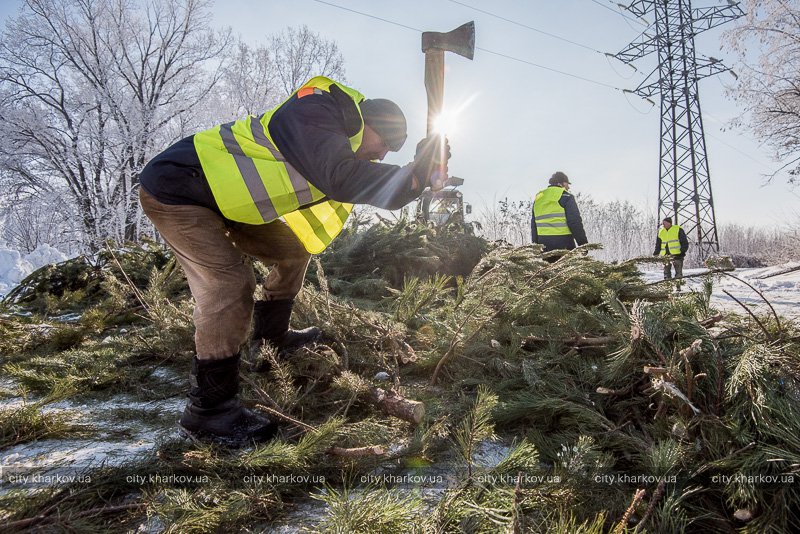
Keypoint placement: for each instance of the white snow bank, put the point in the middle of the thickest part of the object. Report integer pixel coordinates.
(14, 267)
(44, 255)
(779, 286)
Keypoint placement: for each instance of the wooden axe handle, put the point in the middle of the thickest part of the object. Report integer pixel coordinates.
(434, 84)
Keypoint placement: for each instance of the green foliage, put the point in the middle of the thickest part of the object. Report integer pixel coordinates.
(476, 426)
(92, 368)
(207, 510)
(369, 510)
(418, 296)
(568, 524)
(397, 251)
(587, 370)
(31, 422)
(77, 284)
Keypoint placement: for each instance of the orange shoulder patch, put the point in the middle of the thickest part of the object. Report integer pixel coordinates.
(305, 91)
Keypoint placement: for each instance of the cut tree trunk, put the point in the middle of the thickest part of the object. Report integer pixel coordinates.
(394, 404)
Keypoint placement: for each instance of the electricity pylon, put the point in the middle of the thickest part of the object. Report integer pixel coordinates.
(684, 190)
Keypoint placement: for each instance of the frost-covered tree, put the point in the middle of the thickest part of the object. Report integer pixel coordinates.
(767, 43)
(257, 77)
(300, 54)
(88, 89)
(28, 221)
(248, 84)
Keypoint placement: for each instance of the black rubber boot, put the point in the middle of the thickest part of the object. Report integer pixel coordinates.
(214, 412)
(271, 324)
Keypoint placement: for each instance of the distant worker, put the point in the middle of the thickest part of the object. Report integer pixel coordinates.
(671, 241)
(556, 222)
(277, 188)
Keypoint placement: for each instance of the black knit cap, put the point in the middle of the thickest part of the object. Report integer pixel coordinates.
(558, 178)
(387, 119)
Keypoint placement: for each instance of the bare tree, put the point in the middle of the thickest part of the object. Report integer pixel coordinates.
(507, 220)
(300, 54)
(91, 87)
(249, 81)
(28, 221)
(767, 42)
(255, 78)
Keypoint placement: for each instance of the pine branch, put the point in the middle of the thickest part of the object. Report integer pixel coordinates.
(652, 505)
(358, 452)
(760, 294)
(17, 526)
(760, 324)
(529, 343)
(455, 342)
(622, 525)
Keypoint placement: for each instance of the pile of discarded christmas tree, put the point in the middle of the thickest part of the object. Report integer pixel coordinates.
(621, 407)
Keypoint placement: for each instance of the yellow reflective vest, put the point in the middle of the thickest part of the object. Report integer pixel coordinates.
(669, 238)
(549, 216)
(252, 182)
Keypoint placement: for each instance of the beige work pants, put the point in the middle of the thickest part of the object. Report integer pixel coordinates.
(214, 255)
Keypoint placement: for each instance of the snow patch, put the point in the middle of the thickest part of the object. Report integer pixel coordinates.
(43, 462)
(778, 283)
(14, 267)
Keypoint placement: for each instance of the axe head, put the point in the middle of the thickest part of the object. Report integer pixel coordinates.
(460, 41)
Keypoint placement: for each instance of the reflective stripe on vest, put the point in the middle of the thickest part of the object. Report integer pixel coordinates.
(549, 216)
(669, 238)
(252, 182)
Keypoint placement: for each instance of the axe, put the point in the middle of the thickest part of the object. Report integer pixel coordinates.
(434, 44)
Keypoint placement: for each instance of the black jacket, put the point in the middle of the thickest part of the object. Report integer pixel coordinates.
(574, 223)
(312, 134)
(684, 241)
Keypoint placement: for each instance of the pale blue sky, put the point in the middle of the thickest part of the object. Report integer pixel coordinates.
(521, 122)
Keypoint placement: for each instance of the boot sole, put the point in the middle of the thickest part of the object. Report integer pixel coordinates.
(205, 438)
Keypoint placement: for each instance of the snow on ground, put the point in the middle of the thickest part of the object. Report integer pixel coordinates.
(122, 428)
(14, 267)
(50, 462)
(781, 290)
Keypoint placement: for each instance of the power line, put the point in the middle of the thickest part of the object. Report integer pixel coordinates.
(368, 15)
(621, 14)
(512, 58)
(527, 27)
(549, 68)
(722, 123)
(735, 149)
(628, 100)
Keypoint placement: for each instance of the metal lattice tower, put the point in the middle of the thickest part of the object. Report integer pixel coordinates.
(684, 191)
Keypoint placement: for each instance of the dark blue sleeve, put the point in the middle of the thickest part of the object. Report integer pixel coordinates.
(574, 221)
(311, 133)
(684, 241)
(175, 177)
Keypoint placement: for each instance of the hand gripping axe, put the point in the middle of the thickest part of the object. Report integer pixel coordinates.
(434, 44)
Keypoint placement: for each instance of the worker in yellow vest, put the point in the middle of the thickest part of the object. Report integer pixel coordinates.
(276, 188)
(672, 242)
(556, 221)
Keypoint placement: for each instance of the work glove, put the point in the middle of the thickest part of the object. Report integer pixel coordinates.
(430, 162)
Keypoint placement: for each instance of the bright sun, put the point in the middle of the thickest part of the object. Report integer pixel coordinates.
(445, 123)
